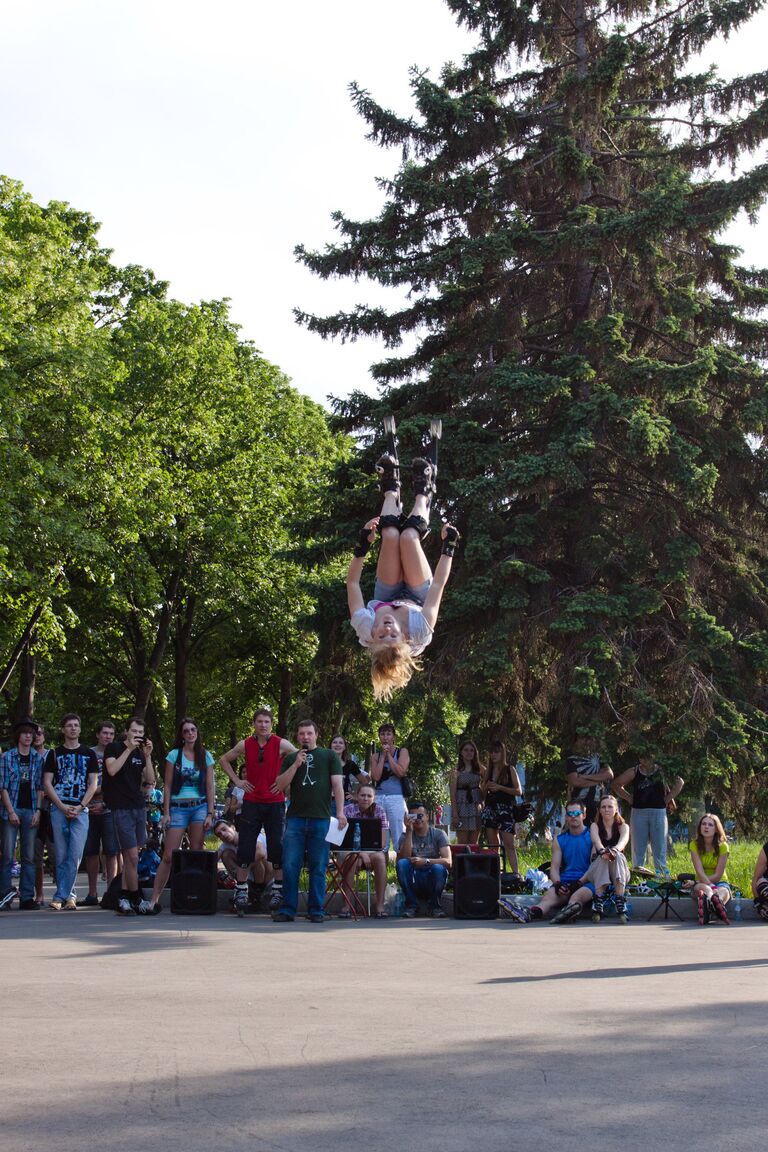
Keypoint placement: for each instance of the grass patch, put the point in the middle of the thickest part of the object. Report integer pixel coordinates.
(741, 861)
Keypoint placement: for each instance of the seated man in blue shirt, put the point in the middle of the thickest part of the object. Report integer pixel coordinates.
(571, 852)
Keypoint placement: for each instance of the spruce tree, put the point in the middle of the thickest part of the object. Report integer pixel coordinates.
(595, 350)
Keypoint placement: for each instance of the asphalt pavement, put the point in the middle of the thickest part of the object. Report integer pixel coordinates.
(187, 1033)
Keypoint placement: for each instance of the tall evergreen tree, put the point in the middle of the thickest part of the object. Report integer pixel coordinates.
(595, 351)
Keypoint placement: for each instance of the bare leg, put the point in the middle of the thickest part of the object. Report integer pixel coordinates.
(379, 869)
(416, 569)
(173, 838)
(92, 868)
(511, 849)
(389, 569)
(196, 836)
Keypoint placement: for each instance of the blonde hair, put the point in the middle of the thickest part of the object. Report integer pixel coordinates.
(392, 666)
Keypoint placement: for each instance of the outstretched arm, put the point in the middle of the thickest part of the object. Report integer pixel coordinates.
(433, 598)
(354, 596)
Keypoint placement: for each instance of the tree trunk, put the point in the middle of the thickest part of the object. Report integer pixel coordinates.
(159, 746)
(25, 699)
(284, 705)
(182, 650)
(147, 676)
(20, 645)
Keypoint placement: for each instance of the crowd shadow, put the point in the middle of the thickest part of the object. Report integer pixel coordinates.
(97, 930)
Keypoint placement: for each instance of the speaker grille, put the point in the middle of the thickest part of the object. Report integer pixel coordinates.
(194, 886)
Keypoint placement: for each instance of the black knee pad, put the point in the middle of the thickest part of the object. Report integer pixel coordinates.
(390, 521)
(419, 524)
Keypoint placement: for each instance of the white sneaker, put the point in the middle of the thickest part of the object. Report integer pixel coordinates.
(125, 908)
(145, 908)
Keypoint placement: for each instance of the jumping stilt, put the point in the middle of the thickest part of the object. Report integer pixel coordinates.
(388, 464)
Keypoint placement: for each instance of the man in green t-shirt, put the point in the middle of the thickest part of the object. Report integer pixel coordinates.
(309, 777)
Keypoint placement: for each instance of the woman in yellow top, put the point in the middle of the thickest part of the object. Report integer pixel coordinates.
(709, 854)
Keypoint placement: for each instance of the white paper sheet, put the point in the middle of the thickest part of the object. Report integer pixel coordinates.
(335, 835)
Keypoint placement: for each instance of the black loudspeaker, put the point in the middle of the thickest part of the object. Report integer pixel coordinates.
(194, 883)
(476, 887)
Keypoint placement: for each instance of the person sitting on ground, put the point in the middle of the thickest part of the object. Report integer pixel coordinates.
(465, 784)
(398, 624)
(571, 852)
(610, 836)
(500, 788)
(261, 872)
(423, 862)
(760, 883)
(709, 855)
(364, 807)
(651, 799)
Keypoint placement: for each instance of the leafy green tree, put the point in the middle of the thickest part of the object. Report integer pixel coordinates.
(53, 361)
(595, 350)
(214, 458)
(155, 469)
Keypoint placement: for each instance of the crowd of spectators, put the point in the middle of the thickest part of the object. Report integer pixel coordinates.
(75, 801)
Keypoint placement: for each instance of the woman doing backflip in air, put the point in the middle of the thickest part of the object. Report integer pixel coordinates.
(398, 623)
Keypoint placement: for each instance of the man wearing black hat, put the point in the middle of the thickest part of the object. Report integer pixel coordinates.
(21, 796)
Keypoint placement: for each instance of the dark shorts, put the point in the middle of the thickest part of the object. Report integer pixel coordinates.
(101, 835)
(254, 817)
(130, 827)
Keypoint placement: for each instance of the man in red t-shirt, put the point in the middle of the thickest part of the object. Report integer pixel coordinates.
(263, 802)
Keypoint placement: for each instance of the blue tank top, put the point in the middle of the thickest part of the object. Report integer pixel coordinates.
(576, 852)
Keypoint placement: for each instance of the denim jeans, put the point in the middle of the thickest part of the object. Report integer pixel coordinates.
(28, 836)
(304, 836)
(69, 837)
(649, 824)
(424, 883)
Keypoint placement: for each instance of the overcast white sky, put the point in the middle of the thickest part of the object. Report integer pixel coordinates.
(210, 139)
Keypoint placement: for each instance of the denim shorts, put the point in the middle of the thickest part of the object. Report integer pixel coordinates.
(193, 814)
(401, 591)
(130, 827)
